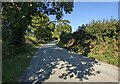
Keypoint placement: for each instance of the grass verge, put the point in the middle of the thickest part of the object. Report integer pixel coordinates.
(108, 54)
(14, 66)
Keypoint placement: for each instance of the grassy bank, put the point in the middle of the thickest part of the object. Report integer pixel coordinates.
(14, 66)
(106, 54)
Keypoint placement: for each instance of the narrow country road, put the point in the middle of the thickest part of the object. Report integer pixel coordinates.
(54, 64)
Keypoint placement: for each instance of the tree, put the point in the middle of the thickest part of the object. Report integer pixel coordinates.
(17, 16)
(40, 27)
(15, 20)
(51, 25)
(62, 26)
(55, 8)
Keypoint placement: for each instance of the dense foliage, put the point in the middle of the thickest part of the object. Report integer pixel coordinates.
(61, 28)
(99, 40)
(40, 28)
(26, 23)
(22, 20)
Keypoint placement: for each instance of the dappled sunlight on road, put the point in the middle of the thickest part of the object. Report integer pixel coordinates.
(53, 64)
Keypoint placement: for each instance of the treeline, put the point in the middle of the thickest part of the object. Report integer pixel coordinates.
(98, 39)
(62, 26)
(29, 23)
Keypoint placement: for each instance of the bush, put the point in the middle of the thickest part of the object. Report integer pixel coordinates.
(98, 39)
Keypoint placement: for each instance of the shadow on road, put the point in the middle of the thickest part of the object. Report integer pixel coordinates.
(49, 57)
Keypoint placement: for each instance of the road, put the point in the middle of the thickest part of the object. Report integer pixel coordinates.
(54, 64)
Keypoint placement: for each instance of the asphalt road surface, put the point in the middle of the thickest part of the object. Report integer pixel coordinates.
(54, 64)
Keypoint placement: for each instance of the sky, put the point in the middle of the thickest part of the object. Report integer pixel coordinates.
(85, 12)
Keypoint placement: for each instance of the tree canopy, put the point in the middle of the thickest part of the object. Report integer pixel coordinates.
(20, 19)
(62, 26)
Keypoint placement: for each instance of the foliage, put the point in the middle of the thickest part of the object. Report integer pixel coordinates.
(17, 16)
(40, 27)
(24, 23)
(64, 37)
(55, 8)
(99, 39)
(14, 23)
(61, 28)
